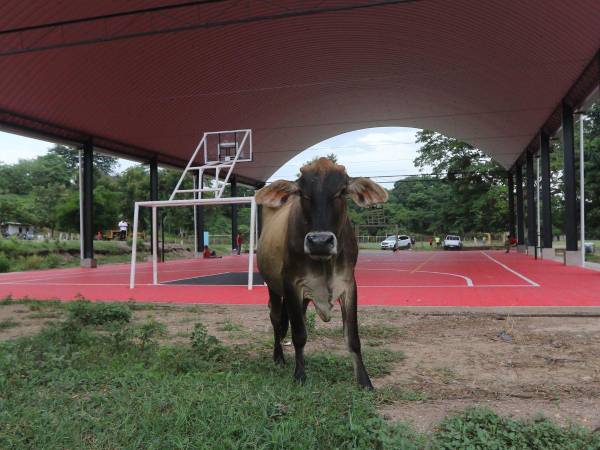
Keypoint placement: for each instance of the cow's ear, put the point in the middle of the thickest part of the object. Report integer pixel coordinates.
(365, 192)
(276, 194)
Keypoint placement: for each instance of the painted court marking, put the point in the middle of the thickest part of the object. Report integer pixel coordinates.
(514, 272)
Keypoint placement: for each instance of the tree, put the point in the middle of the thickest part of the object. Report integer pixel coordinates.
(470, 190)
(103, 164)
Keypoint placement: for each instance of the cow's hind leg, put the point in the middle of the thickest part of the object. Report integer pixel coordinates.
(349, 317)
(295, 312)
(279, 320)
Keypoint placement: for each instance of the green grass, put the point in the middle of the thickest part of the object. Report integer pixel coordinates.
(99, 386)
(230, 326)
(6, 324)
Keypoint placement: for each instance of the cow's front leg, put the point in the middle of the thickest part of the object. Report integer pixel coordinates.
(279, 320)
(349, 317)
(293, 305)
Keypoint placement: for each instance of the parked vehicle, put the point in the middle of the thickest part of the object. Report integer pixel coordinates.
(404, 242)
(452, 242)
(398, 242)
(389, 243)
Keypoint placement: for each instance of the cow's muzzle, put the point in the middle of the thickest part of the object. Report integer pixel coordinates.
(320, 245)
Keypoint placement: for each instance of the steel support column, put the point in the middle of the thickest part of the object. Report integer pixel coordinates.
(88, 205)
(199, 212)
(531, 207)
(520, 208)
(259, 224)
(234, 213)
(153, 191)
(568, 142)
(546, 200)
(511, 205)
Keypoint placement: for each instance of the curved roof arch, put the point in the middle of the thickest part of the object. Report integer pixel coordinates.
(149, 83)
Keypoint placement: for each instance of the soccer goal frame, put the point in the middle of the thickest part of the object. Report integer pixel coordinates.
(154, 205)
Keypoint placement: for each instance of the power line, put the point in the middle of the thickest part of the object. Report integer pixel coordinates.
(176, 29)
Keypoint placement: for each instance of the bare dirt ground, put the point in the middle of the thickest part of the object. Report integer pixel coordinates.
(517, 366)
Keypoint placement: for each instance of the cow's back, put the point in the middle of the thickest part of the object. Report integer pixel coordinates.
(273, 244)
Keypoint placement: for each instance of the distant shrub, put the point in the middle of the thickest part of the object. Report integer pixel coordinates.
(32, 262)
(4, 263)
(89, 313)
(9, 247)
(52, 260)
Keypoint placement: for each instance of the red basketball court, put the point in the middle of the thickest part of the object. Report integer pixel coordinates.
(410, 278)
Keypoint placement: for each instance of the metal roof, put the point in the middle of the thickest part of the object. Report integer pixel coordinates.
(147, 78)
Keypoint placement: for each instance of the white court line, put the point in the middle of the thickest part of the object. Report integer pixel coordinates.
(467, 279)
(99, 273)
(404, 286)
(523, 277)
(449, 286)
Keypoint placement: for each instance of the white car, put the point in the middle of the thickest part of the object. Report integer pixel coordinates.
(452, 241)
(396, 242)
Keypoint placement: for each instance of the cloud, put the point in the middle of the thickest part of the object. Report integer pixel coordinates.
(372, 153)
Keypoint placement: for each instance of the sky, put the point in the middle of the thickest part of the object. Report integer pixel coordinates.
(380, 153)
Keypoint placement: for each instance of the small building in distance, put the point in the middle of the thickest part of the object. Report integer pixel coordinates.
(16, 229)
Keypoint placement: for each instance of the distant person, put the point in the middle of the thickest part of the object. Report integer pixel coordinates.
(207, 253)
(123, 229)
(238, 242)
(431, 241)
(437, 241)
(510, 242)
(99, 235)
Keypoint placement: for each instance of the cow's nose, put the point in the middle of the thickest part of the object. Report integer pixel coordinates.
(320, 243)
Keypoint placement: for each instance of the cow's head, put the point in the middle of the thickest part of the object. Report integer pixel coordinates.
(322, 188)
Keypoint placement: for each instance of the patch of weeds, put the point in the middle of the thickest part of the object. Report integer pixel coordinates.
(205, 344)
(482, 428)
(182, 334)
(148, 332)
(121, 334)
(339, 367)
(6, 324)
(330, 332)
(136, 306)
(310, 321)
(45, 315)
(379, 331)
(230, 326)
(89, 313)
(41, 305)
(393, 393)
(445, 374)
(8, 300)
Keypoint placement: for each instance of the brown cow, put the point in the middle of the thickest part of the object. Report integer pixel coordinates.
(307, 252)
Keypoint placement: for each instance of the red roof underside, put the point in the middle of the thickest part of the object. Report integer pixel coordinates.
(487, 72)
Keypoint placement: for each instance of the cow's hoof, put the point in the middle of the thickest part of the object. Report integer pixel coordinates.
(279, 359)
(365, 383)
(300, 377)
(368, 386)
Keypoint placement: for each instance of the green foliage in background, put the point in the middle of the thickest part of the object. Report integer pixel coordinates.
(464, 191)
